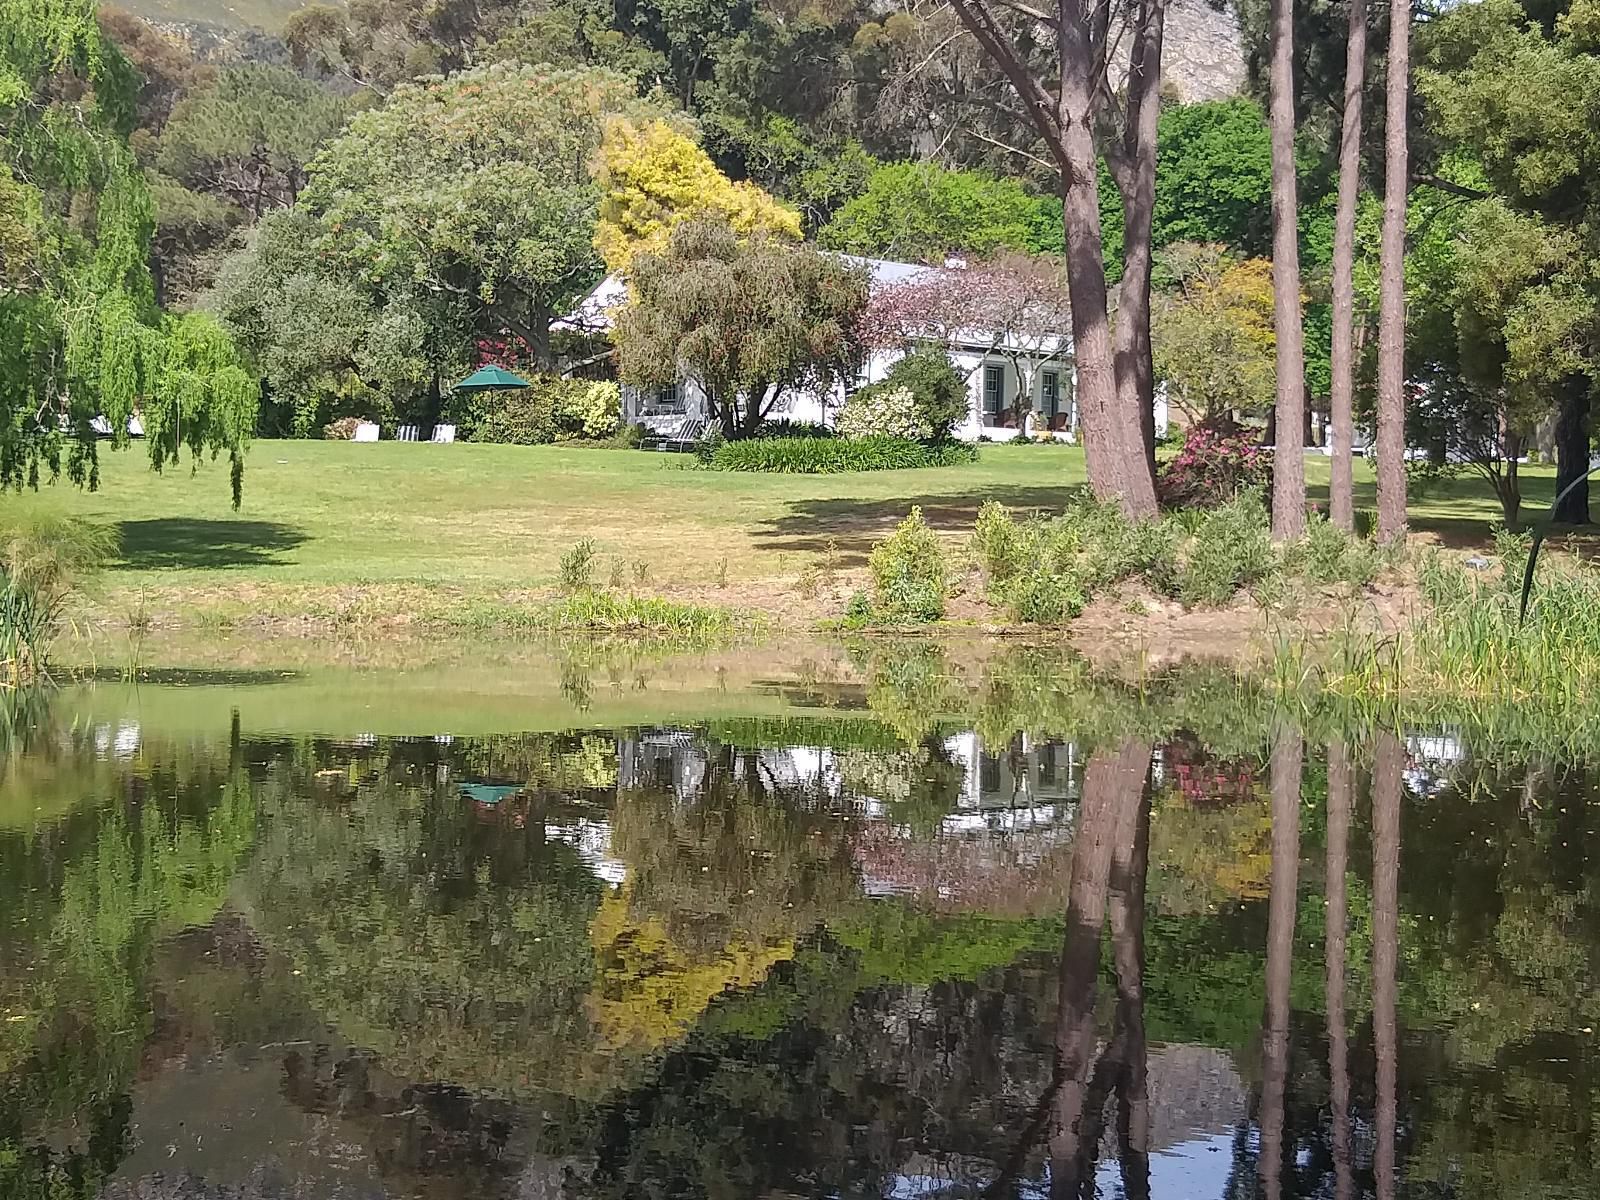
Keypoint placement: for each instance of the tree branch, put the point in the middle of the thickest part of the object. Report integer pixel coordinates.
(977, 16)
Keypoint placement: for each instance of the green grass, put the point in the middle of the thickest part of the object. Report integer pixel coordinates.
(352, 534)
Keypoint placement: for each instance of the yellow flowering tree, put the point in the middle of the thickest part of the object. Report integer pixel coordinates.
(653, 177)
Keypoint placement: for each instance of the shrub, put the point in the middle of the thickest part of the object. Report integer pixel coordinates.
(882, 410)
(939, 389)
(577, 566)
(999, 545)
(829, 456)
(1216, 463)
(549, 409)
(909, 580)
(1046, 598)
(1231, 548)
(342, 430)
(1327, 554)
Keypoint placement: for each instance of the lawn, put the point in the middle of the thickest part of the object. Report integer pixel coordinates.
(329, 517)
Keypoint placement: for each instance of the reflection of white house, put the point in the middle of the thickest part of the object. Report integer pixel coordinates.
(996, 369)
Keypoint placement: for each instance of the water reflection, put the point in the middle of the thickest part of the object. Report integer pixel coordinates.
(759, 958)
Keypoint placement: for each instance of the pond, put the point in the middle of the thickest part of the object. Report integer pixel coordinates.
(781, 939)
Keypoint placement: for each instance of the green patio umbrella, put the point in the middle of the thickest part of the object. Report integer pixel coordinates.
(489, 379)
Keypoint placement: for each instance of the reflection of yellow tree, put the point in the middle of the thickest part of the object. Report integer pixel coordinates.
(718, 892)
(649, 989)
(1204, 855)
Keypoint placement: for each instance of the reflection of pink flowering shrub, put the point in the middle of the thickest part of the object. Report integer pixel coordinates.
(1216, 463)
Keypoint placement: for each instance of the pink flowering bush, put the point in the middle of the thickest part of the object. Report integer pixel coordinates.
(1217, 462)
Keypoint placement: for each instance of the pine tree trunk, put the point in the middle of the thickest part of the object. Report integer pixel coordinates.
(1136, 376)
(1341, 440)
(1572, 451)
(1289, 463)
(1391, 445)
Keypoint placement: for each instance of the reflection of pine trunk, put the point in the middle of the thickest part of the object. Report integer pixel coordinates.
(1285, 772)
(1113, 784)
(1130, 864)
(1388, 763)
(1338, 1053)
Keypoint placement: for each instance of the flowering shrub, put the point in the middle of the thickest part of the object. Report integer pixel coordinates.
(883, 411)
(1216, 463)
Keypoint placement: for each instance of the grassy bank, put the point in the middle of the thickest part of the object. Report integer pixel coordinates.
(345, 535)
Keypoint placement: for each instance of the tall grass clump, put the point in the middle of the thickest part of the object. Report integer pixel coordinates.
(1472, 642)
(42, 563)
(910, 580)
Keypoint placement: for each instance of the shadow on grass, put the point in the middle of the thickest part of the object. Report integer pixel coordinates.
(166, 543)
(852, 526)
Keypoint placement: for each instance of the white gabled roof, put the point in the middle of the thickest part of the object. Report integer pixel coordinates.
(593, 312)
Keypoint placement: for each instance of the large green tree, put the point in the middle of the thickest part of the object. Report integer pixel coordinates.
(748, 320)
(475, 189)
(1520, 90)
(80, 332)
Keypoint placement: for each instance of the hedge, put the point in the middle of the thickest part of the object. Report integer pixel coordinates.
(833, 456)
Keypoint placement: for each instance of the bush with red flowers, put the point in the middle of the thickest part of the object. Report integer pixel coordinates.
(1218, 460)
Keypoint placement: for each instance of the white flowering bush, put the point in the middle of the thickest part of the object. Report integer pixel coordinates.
(879, 411)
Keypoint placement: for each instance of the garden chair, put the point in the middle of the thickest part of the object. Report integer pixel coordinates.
(689, 435)
(658, 439)
(365, 432)
(443, 435)
(406, 433)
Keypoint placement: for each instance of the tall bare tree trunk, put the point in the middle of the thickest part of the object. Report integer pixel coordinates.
(1063, 114)
(1392, 285)
(1341, 489)
(1337, 916)
(1288, 462)
(1388, 762)
(1116, 462)
(1285, 783)
(1134, 171)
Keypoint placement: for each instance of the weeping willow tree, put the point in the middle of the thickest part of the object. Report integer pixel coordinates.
(81, 335)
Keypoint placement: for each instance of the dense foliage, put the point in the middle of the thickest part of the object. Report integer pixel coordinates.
(550, 409)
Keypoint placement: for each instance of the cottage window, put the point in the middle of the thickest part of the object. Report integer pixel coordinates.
(994, 393)
(1050, 395)
(668, 398)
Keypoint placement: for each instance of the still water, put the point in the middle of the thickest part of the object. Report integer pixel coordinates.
(810, 953)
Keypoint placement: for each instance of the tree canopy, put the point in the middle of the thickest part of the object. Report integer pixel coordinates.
(748, 320)
(81, 335)
(654, 178)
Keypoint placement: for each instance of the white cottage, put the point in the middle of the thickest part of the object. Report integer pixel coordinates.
(996, 368)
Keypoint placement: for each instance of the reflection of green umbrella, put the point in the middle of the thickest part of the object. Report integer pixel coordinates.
(487, 379)
(488, 793)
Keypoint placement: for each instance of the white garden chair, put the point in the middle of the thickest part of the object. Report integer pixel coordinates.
(366, 432)
(443, 435)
